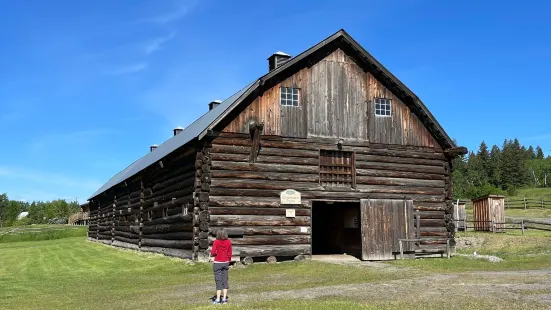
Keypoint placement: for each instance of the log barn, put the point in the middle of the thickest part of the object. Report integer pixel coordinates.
(327, 153)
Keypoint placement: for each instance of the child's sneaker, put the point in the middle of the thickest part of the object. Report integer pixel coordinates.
(224, 301)
(216, 302)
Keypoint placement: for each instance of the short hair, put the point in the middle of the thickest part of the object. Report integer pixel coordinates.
(221, 234)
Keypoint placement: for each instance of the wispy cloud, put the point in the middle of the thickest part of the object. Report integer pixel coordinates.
(540, 137)
(134, 68)
(180, 10)
(16, 111)
(69, 138)
(157, 43)
(63, 181)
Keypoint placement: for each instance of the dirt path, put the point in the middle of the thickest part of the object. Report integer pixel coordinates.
(523, 286)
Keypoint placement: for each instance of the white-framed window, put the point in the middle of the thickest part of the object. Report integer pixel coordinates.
(289, 96)
(382, 107)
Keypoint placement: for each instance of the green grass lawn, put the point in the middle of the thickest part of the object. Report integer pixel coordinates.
(72, 273)
(529, 251)
(535, 192)
(40, 232)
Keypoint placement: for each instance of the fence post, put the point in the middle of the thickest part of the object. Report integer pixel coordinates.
(522, 225)
(492, 228)
(524, 202)
(542, 203)
(401, 249)
(418, 224)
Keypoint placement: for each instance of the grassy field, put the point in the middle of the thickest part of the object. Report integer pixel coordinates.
(72, 273)
(40, 232)
(534, 192)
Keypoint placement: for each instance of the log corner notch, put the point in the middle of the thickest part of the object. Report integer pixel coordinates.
(451, 154)
(255, 129)
(201, 215)
(455, 151)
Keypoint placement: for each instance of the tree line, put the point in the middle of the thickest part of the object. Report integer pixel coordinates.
(500, 170)
(40, 212)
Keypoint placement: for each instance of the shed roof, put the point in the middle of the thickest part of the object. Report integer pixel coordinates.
(487, 196)
(208, 121)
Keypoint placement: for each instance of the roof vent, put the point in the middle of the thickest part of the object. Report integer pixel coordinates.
(277, 60)
(214, 104)
(153, 147)
(177, 130)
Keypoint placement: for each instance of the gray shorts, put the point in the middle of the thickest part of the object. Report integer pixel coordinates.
(221, 275)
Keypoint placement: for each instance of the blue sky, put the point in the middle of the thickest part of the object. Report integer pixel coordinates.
(87, 86)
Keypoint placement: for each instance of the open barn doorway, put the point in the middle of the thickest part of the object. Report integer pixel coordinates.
(336, 228)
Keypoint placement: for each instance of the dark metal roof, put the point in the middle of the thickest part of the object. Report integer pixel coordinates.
(189, 133)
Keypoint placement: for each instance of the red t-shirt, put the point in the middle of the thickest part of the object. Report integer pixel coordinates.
(221, 250)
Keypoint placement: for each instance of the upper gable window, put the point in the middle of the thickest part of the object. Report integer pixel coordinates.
(382, 107)
(289, 96)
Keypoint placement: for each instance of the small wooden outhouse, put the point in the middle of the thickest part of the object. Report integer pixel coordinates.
(489, 213)
(459, 215)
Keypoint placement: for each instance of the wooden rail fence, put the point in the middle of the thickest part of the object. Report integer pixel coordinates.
(501, 227)
(528, 203)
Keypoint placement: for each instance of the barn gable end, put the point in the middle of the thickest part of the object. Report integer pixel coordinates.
(337, 100)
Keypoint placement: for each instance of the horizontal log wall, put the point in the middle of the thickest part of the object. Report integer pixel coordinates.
(167, 201)
(245, 196)
(153, 213)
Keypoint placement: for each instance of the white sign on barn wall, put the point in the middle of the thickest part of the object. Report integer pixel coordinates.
(290, 197)
(290, 212)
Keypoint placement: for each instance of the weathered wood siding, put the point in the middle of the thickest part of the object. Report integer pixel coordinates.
(489, 213)
(246, 196)
(127, 216)
(154, 213)
(403, 127)
(459, 215)
(384, 223)
(336, 101)
(265, 108)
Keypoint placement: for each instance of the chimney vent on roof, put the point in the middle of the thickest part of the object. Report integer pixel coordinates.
(277, 60)
(214, 104)
(177, 130)
(153, 147)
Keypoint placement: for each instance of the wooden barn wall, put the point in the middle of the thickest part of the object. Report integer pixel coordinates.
(167, 216)
(403, 127)
(245, 196)
(127, 213)
(336, 101)
(93, 221)
(154, 213)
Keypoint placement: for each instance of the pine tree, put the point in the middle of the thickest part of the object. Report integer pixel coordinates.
(484, 158)
(494, 175)
(475, 171)
(459, 177)
(531, 154)
(539, 153)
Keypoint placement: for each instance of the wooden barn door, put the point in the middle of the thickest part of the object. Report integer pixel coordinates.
(384, 222)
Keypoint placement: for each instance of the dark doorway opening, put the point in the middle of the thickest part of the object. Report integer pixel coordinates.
(336, 228)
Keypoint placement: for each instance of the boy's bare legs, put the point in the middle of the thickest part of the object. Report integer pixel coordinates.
(225, 293)
(218, 293)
